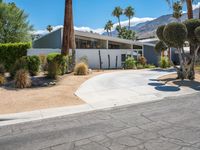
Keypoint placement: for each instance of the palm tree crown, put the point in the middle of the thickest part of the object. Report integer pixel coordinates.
(117, 12)
(129, 12)
(177, 10)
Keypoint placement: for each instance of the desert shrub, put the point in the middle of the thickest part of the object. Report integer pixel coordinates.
(62, 63)
(43, 62)
(2, 79)
(10, 52)
(21, 63)
(150, 66)
(175, 34)
(140, 66)
(164, 62)
(81, 69)
(130, 63)
(2, 69)
(33, 64)
(53, 70)
(22, 79)
(51, 56)
(142, 60)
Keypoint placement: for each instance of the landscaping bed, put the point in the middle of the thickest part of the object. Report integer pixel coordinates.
(60, 95)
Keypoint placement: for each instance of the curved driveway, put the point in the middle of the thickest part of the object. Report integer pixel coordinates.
(127, 87)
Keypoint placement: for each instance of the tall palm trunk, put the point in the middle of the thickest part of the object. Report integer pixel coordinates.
(68, 33)
(189, 9)
(119, 22)
(129, 23)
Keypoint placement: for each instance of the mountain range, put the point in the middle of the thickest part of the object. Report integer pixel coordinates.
(148, 29)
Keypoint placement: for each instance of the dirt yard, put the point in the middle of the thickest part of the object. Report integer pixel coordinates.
(60, 95)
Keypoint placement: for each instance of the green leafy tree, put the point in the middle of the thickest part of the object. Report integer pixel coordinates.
(129, 12)
(108, 27)
(14, 25)
(124, 33)
(177, 10)
(117, 12)
(174, 35)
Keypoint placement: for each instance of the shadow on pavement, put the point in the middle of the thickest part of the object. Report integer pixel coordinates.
(167, 88)
(186, 83)
(164, 70)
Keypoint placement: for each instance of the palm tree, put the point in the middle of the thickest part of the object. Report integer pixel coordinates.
(177, 10)
(129, 12)
(68, 32)
(49, 28)
(189, 6)
(110, 26)
(117, 12)
(107, 28)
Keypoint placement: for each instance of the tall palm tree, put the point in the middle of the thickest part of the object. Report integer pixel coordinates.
(129, 12)
(117, 12)
(177, 10)
(110, 26)
(68, 32)
(189, 6)
(106, 28)
(49, 28)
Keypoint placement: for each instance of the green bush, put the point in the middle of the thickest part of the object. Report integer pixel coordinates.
(175, 34)
(21, 63)
(130, 63)
(33, 64)
(191, 25)
(9, 53)
(53, 70)
(51, 56)
(159, 32)
(150, 66)
(164, 62)
(29, 63)
(160, 46)
(140, 66)
(60, 60)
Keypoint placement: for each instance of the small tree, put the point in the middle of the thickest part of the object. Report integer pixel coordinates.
(49, 28)
(174, 35)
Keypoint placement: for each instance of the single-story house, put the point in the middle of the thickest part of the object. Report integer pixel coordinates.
(100, 50)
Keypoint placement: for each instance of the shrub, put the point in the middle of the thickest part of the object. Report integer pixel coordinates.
(81, 69)
(150, 66)
(51, 56)
(21, 63)
(164, 62)
(175, 34)
(2, 79)
(22, 79)
(9, 53)
(53, 70)
(2, 69)
(140, 66)
(33, 64)
(191, 25)
(197, 33)
(62, 63)
(142, 60)
(130, 63)
(43, 61)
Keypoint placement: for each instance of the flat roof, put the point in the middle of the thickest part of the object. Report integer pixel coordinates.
(103, 37)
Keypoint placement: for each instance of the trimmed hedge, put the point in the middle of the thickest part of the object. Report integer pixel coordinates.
(10, 52)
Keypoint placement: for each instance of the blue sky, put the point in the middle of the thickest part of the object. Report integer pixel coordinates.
(87, 13)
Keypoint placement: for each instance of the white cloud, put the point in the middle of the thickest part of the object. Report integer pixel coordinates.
(134, 21)
(195, 6)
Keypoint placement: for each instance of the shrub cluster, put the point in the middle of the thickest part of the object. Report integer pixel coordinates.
(10, 52)
(29, 63)
(164, 62)
(130, 63)
(22, 79)
(57, 65)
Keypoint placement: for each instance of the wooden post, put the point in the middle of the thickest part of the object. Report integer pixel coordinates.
(108, 61)
(116, 62)
(100, 63)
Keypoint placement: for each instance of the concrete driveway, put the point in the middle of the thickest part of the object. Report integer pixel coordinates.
(127, 87)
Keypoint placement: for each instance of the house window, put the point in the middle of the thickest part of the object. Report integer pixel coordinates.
(116, 45)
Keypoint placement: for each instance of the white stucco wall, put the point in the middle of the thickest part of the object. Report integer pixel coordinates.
(92, 55)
